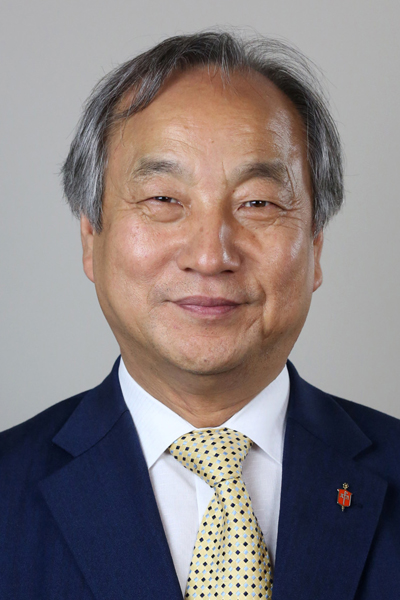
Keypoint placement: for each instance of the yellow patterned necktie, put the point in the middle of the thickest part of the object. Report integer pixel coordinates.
(230, 558)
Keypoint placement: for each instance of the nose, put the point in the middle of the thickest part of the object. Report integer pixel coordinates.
(210, 245)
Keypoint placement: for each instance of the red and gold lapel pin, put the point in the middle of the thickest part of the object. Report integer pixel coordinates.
(344, 496)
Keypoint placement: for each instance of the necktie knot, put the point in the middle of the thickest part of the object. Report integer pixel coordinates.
(215, 455)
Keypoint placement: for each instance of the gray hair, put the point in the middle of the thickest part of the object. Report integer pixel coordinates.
(84, 168)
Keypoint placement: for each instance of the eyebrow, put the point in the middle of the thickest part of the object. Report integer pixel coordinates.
(272, 170)
(153, 166)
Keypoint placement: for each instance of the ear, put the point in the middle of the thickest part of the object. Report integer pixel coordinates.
(87, 237)
(318, 243)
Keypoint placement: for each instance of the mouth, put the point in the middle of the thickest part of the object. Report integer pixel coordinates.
(207, 306)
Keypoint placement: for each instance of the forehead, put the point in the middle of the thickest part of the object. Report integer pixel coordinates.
(200, 114)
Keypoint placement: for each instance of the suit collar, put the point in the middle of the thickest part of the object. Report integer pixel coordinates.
(317, 412)
(94, 416)
(322, 551)
(323, 417)
(104, 504)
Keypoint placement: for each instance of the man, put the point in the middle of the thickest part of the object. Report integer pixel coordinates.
(203, 172)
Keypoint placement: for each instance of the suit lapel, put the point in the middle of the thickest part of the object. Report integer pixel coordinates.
(321, 549)
(104, 504)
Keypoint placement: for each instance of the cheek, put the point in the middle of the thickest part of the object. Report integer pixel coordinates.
(128, 262)
(289, 271)
(133, 253)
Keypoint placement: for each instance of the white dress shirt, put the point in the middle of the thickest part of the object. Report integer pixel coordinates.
(182, 497)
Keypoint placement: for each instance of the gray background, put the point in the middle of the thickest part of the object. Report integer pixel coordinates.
(55, 341)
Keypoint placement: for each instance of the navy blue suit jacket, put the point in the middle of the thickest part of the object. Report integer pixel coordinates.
(79, 521)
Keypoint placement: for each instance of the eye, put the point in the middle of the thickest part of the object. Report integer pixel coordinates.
(163, 209)
(165, 199)
(256, 203)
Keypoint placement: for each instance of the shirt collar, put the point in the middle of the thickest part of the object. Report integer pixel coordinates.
(263, 419)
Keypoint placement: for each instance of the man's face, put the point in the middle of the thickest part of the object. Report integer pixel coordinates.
(207, 261)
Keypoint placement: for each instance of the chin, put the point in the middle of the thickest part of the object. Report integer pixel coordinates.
(205, 363)
(207, 369)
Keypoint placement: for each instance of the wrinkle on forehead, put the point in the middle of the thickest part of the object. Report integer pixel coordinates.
(238, 88)
(195, 119)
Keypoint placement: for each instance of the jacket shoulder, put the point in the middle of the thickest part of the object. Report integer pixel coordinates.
(26, 447)
(382, 429)
(350, 428)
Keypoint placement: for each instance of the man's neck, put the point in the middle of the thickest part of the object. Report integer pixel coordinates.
(202, 400)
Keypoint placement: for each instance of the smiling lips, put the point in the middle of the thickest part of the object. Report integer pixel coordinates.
(204, 305)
